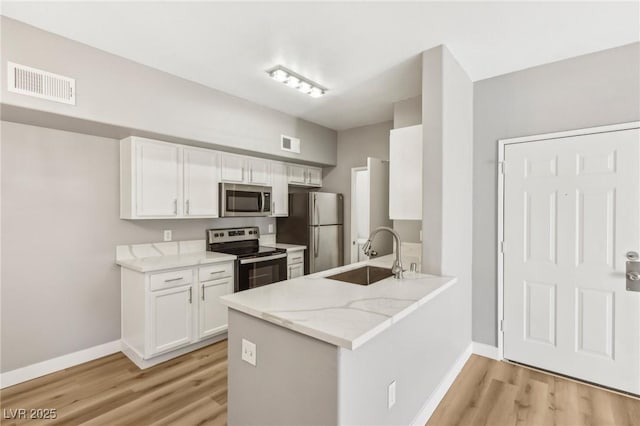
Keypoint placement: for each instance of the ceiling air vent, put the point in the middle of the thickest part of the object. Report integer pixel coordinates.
(287, 143)
(41, 84)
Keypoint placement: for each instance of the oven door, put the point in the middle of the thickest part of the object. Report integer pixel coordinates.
(244, 200)
(259, 271)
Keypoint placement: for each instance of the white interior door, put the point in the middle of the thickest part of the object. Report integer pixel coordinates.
(571, 213)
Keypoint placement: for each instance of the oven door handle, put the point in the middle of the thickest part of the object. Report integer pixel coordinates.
(262, 259)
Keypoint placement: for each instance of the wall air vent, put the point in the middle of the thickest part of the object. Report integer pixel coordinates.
(287, 143)
(41, 84)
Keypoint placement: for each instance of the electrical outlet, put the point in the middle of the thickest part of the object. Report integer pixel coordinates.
(249, 352)
(166, 234)
(391, 394)
(270, 228)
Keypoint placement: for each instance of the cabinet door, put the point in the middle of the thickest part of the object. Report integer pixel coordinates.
(232, 168)
(280, 187)
(201, 178)
(157, 179)
(213, 314)
(297, 174)
(171, 323)
(405, 173)
(314, 176)
(295, 271)
(258, 171)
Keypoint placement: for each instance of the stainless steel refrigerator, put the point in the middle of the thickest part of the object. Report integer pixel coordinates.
(315, 220)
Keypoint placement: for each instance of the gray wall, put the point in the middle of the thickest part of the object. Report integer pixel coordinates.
(115, 91)
(447, 118)
(408, 112)
(354, 146)
(592, 90)
(60, 226)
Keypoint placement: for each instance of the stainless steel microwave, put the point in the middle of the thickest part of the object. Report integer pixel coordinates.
(244, 200)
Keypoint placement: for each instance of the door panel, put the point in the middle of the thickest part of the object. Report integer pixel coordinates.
(201, 183)
(571, 213)
(325, 208)
(232, 168)
(326, 247)
(158, 177)
(171, 318)
(213, 314)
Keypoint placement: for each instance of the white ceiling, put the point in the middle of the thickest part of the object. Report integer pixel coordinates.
(366, 53)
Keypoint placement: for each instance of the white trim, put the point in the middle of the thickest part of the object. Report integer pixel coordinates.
(576, 132)
(436, 396)
(353, 229)
(487, 351)
(43, 368)
(502, 143)
(142, 363)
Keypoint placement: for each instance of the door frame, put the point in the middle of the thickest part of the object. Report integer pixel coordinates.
(352, 233)
(502, 144)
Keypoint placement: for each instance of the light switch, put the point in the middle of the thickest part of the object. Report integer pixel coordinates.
(167, 234)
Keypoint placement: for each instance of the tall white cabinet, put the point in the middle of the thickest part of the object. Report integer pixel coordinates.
(405, 173)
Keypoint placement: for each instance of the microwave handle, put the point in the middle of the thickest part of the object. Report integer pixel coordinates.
(261, 207)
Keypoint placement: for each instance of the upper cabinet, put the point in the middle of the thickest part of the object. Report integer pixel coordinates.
(163, 180)
(304, 175)
(280, 189)
(201, 178)
(160, 180)
(242, 169)
(405, 173)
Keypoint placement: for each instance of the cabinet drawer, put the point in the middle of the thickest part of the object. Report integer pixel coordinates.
(214, 272)
(171, 279)
(295, 258)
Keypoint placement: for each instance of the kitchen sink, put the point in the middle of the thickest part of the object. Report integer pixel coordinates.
(364, 275)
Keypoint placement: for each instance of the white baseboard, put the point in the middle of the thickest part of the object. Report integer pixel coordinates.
(486, 350)
(436, 396)
(43, 368)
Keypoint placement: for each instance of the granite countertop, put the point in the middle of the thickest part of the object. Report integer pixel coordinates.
(343, 314)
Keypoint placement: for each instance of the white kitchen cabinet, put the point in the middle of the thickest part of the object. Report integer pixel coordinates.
(201, 178)
(160, 180)
(295, 263)
(171, 324)
(304, 175)
(258, 171)
(213, 315)
(242, 169)
(167, 313)
(232, 168)
(150, 182)
(280, 189)
(405, 173)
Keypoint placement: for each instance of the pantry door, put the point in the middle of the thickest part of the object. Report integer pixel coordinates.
(571, 215)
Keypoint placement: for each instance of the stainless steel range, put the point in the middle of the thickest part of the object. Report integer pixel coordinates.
(256, 265)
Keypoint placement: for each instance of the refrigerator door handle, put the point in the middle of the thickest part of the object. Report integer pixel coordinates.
(316, 243)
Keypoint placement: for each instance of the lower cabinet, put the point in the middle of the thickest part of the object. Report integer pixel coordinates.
(171, 318)
(213, 314)
(295, 264)
(168, 313)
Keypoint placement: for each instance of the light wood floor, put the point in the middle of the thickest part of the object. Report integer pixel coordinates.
(493, 393)
(192, 390)
(189, 390)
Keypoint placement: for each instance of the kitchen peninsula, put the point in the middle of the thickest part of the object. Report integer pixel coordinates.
(322, 351)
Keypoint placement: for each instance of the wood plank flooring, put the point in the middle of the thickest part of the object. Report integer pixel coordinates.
(493, 393)
(189, 390)
(192, 390)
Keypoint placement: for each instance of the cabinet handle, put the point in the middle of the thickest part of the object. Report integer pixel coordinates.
(296, 258)
(175, 206)
(187, 207)
(190, 294)
(273, 207)
(216, 272)
(202, 291)
(172, 280)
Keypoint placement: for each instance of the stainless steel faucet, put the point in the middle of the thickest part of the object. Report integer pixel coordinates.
(368, 250)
